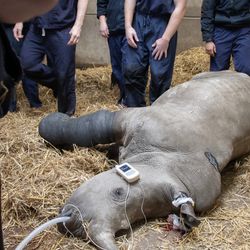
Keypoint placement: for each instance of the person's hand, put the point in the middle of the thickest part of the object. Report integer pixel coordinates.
(210, 48)
(104, 30)
(160, 48)
(18, 31)
(132, 37)
(75, 33)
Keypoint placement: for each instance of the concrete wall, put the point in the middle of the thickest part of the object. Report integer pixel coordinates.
(93, 49)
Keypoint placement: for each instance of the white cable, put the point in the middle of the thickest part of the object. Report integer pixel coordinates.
(84, 226)
(126, 215)
(142, 204)
(39, 229)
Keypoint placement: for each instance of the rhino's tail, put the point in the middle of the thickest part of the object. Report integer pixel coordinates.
(86, 131)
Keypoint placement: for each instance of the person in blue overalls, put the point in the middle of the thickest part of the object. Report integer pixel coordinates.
(111, 17)
(151, 31)
(55, 34)
(9, 64)
(30, 87)
(225, 27)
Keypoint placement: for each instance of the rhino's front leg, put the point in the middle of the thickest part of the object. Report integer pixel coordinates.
(187, 219)
(184, 218)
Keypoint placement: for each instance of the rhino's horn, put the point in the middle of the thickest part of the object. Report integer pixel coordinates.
(101, 236)
(86, 131)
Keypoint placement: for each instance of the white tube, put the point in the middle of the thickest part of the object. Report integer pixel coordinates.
(39, 229)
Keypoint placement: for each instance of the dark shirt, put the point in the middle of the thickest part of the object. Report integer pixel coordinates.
(63, 15)
(231, 14)
(155, 7)
(114, 12)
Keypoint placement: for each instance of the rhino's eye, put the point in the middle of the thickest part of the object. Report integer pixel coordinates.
(118, 194)
(119, 191)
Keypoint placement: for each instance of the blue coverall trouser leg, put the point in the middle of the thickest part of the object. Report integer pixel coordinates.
(138, 60)
(30, 87)
(59, 74)
(116, 43)
(233, 42)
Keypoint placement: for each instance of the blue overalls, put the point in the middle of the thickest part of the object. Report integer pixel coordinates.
(49, 35)
(10, 72)
(116, 43)
(233, 41)
(150, 21)
(30, 87)
(114, 12)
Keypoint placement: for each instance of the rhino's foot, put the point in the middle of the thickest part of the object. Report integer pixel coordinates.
(178, 224)
(187, 219)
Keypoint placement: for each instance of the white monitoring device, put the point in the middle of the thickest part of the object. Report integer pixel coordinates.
(129, 173)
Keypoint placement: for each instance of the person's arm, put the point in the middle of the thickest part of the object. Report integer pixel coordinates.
(207, 25)
(104, 30)
(13, 11)
(101, 15)
(161, 45)
(129, 8)
(18, 31)
(75, 32)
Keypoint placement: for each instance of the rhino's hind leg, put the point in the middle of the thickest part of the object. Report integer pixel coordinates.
(86, 131)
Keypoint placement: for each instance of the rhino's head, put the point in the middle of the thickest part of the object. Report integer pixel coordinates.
(97, 209)
(107, 203)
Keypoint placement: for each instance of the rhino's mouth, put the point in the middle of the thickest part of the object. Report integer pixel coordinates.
(76, 225)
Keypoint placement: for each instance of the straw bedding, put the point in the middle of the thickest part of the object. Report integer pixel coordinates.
(38, 179)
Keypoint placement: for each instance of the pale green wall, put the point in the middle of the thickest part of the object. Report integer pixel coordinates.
(93, 50)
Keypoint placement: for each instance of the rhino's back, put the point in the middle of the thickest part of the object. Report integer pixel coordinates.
(210, 112)
(209, 88)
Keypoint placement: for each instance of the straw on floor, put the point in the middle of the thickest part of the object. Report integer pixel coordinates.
(38, 179)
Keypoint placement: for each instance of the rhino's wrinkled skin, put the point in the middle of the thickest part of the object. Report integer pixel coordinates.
(168, 143)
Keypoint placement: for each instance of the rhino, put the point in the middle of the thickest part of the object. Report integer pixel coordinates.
(180, 145)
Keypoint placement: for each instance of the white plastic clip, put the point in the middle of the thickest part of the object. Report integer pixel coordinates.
(43, 32)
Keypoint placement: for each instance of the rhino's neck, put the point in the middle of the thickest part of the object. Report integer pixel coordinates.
(189, 173)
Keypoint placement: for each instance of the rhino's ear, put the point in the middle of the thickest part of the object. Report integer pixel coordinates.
(188, 216)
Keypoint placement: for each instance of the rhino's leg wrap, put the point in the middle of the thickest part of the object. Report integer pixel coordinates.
(86, 131)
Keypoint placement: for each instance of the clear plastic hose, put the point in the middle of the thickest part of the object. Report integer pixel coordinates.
(39, 229)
